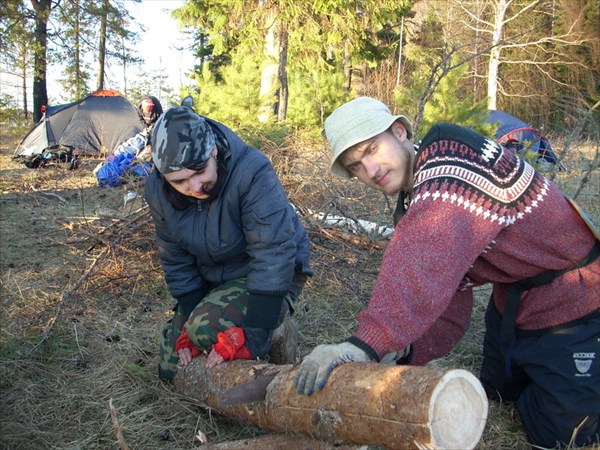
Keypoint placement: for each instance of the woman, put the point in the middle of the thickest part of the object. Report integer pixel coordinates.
(233, 250)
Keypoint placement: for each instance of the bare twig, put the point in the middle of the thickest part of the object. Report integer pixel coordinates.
(117, 426)
(96, 237)
(48, 194)
(586, 176)
(572, 137)
(64, 299)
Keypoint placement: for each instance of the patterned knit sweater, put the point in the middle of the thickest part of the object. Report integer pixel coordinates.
(478, 214)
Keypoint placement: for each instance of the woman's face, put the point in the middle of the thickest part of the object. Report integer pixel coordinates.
(196, 183)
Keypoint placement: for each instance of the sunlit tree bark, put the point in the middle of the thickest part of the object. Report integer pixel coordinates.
(102, 43)
(42, 10)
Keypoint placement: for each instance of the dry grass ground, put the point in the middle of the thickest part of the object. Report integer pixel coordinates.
(83, 297)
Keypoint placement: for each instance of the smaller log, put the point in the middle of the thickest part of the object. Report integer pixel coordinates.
(395, 407)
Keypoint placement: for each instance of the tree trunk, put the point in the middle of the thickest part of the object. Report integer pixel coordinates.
(79, 88)
(396, 407)
(24, 83)
(125, 90)
(283, 80)
(40, 90)
(274, 83)
(347, 66)
(102, 45)
(494, 63)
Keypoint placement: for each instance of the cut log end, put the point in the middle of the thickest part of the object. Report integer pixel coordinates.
(457, 411)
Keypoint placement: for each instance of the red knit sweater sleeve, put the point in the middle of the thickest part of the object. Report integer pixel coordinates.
(416, 298)
(446, 331)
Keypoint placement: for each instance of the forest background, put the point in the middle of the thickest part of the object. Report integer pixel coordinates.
(292, 62)
(82, 292)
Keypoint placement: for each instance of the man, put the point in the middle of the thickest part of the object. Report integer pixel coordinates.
(477, 215)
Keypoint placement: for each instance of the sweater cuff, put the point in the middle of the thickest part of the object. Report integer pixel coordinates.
(364, 347)
(187, 302)
(263, 311)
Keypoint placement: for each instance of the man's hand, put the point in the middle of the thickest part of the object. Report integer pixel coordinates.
(317, 366)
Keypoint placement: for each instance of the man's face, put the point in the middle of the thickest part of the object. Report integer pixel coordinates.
(384, 162)
(195, 183)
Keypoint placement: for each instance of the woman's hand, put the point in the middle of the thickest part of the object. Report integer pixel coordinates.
(185, 356)
(214, 359)
(185, 349)
(230, 345)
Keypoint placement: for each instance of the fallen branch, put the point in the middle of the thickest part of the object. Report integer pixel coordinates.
(347, 238)
(96, 237)
(48, 194)
(117, 426)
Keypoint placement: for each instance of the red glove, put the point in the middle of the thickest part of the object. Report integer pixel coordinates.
(183, 341)
(231, 344)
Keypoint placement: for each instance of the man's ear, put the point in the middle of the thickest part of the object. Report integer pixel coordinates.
(399, 130)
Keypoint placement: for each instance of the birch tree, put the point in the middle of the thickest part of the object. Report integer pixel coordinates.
(516, 39)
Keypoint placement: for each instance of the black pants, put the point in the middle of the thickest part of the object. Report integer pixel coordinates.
(554, 379)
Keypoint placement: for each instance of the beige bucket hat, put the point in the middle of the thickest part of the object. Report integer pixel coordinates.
(356, 121)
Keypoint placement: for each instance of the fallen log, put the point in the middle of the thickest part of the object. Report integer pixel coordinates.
(274, 441)
(395, 407)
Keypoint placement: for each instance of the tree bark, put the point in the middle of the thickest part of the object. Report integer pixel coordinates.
(102, 44)
(272, 441)
(395, 407)
(40, 91)
(283, 79)
(24, 83)
(494, 61)
(269, 82)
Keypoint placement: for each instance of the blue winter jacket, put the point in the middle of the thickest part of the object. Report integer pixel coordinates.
(249, 230)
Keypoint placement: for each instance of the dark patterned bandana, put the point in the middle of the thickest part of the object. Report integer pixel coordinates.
(180, 139)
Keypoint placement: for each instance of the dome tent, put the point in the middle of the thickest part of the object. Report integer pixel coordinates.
(91, 126)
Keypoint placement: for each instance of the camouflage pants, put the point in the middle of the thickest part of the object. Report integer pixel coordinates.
(223, 307)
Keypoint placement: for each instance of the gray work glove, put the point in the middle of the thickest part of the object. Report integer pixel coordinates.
(316, 367)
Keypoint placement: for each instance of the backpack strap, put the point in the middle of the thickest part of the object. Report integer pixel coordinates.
(507, 330)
